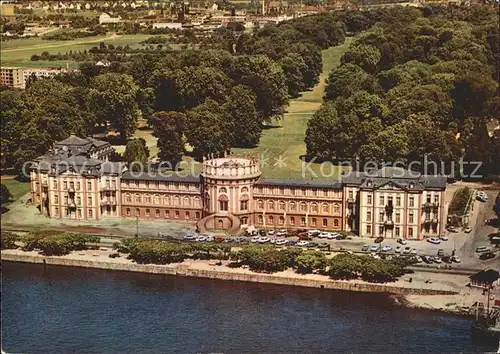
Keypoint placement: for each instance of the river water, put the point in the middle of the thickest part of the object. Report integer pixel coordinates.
(73, 310)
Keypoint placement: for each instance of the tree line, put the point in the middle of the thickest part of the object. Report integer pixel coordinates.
(422, 82)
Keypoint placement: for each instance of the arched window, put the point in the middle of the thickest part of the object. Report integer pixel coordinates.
(223, 202)
(325, 208)
(325, 222)
(137, 198)
(335, 223)
(177, 201)
(166, 200)
(157, 199)
(244, 190)
(292, 221)
(148, 213)
(302, 221)
(260, 204)
(128, 198)
(314, 208)
(271, 219)
(282, 205)
(313, 221)
(222, 190)
(270, 205)
(187, 215)
(128, 211)
(157, 213)
(137, 212)
(336, 209)
(292, 206)
(147, 199)
(282, 220)
(187, 202)
(197, 215)
(197, 202)
(244, 221)
(260, 219)
(303, 206)
(167, 214)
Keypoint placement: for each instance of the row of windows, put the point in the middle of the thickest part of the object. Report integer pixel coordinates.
(397, 218)
(66, 212)
(167, 200)
(296, 191)
(303, 221)
(292, 206)
(166, 214)
(162, 185)
(390, 200)
(397, 231)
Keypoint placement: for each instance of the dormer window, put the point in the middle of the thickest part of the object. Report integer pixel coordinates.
(369, 183)
(412, 185)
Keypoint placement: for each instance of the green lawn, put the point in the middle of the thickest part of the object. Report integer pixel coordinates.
(16, 188)
(19, 52)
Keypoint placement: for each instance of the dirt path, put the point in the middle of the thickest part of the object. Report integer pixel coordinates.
(49, 46)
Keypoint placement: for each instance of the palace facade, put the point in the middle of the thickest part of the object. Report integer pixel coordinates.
(75, 181)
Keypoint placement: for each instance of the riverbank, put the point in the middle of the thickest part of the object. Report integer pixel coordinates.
(442, 292)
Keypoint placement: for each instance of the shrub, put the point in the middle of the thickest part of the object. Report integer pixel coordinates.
(307, 262)
(8, 240)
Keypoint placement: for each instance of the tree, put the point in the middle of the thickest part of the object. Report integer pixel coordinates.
(245, 123)
(266, 79)
(293, 67)
(114, 100)
(4, 194)
(346, 80)
(8, 239)
(136, 155)
(168, 127)
(366, 57)
(208, 129)
(307, 262)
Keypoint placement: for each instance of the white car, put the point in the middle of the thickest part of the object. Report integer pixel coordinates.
(201, 238)
(434, 240)
(437, 260)
(302, 243)
(401, 241)
(255, 239)
(376, 256)
(468, 230)
(398, 249)
(189, 237)
(413, 251)
(324, 234)
(332, 236)
(281, 241)
(264, 239)
(407, 250)
(375, 247)
(418, 259)
(270, 232)
(455, 259)
(209, 239)
(313, 233)
(281, 233)
(444, 238)
(387, 248)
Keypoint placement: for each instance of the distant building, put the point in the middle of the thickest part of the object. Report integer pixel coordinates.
(103, 62)
(12, 77)
(105, 19)
(170, 25)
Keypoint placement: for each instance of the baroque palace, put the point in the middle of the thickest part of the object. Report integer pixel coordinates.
(75, 180)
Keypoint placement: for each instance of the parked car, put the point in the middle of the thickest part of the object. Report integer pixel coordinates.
(379, 239)
(209, 239)
(398, 249)
(323, 245)
(270, 232)
(401, 241)
(486, 255)
(468, 230)
(482, 249)
(437, 260)
(446, 259)
(407, 250)
(255, 239)
(290, 243)
(264, 239)
(313, 233)
(387, 248)
(281, 233)
(375, 247)
(440, 252)
(201, 238)
(302, 243)
(312, 244)
(340, 237)
(418, 259)
(443, 238)
(281, 241)
(427, 259)
(262, 232)
(434, 240)
(452, 229)
(413, 251)
(455, 259)
(365, 248)
(324, 234)
(189, 237)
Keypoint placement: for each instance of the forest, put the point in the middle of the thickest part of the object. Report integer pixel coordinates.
(414, 83)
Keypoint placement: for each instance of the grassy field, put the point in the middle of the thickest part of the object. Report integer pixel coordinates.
(282, 144)
(19, 52)
(16, 188)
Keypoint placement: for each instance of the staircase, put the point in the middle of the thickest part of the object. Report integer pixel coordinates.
(230, 223)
